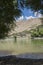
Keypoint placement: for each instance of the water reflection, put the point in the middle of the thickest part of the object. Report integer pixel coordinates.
(15, 39)
(22, 45)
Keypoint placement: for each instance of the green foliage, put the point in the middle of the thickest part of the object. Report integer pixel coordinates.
(34, 4)
(8, 12)
(37, 32)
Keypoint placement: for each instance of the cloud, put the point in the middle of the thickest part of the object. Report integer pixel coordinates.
(21, 18)
(24, 18)
(37, 14)
(29, 17)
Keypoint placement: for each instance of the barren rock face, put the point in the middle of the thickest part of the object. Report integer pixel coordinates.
(26, 25)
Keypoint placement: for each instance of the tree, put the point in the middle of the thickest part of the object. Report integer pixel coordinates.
(8, 11)
(35, 5)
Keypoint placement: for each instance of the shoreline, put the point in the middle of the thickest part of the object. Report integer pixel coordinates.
(25, 55)
(37, 38)
(13, 60)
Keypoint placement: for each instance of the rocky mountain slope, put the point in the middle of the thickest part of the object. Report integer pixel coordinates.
(26, 25)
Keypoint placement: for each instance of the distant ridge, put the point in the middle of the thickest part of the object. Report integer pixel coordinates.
(26, 25)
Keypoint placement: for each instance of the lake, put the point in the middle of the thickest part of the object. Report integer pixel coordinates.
(21, 45)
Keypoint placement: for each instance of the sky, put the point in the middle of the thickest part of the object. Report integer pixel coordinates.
(28, 14)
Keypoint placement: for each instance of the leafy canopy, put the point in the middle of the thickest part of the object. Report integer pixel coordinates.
(35, 5)
(9, 10)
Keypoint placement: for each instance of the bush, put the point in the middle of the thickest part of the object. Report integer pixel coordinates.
(37, 32)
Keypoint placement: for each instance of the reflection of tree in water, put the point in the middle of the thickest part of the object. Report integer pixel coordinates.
(15, 38)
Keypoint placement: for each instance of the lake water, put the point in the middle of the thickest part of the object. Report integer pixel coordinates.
(21, 45)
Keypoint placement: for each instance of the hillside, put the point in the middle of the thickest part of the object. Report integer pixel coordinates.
(26, 25)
